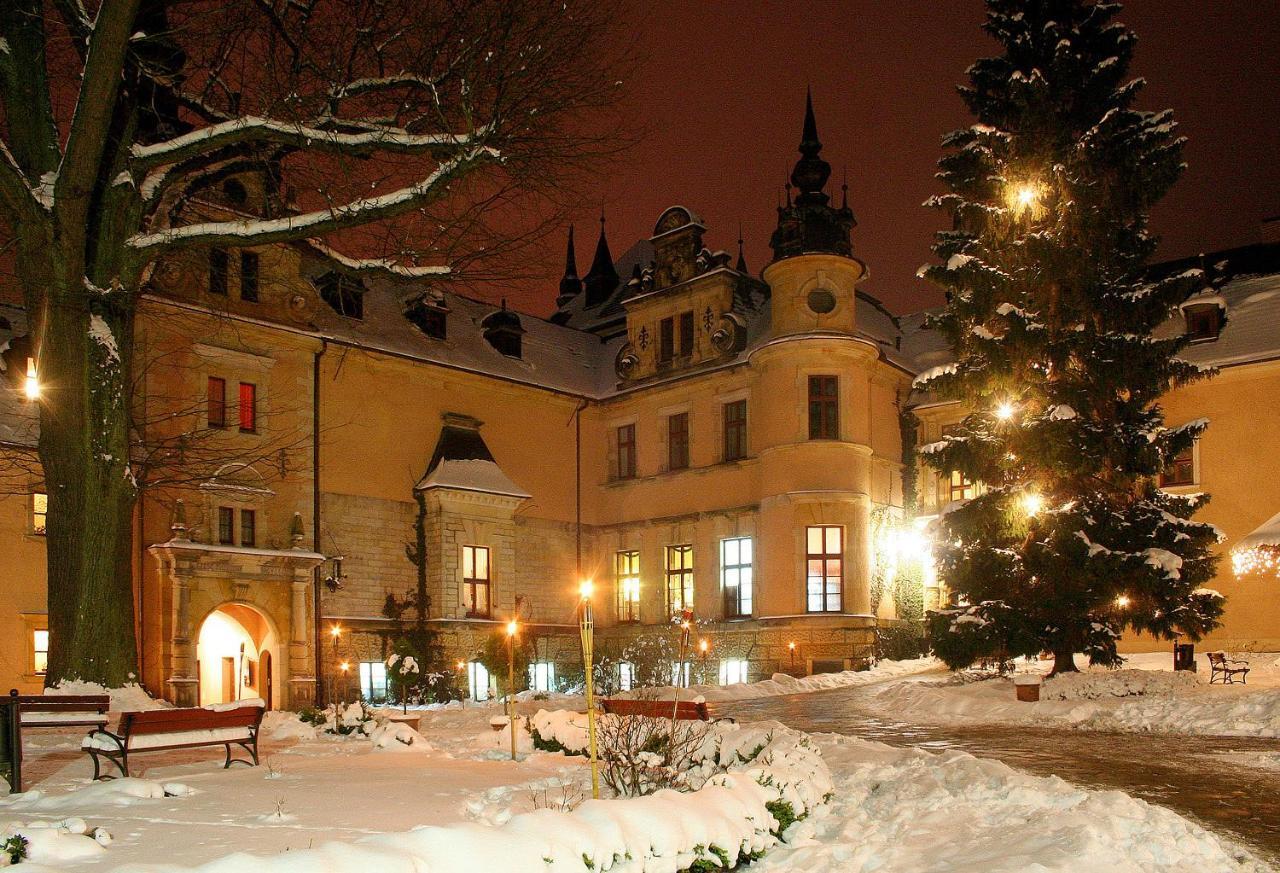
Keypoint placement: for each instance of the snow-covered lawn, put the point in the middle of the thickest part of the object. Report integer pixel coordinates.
(329, 805)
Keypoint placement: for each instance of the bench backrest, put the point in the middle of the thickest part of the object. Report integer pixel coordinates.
(685, 710)
(1217, 657)
(169, 721)
(63, 702)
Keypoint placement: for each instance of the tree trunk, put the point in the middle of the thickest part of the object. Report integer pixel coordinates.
(1064, 660)
(84, 451)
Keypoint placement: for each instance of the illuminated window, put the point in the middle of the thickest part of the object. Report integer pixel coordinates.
(542, 676)
(39, 513)
(626, 676)
(680, 673)
(40, 651)
(248, 407)
(958, 486)
(627, 574)
(735, 430)
(217, 402)
(475, 581)
(824, 559)
(477, 681)
(824, 408)
(373, 681)
(678, 441)
(733, 671)
(1181, 470)
(735, 576)
(679, 578)
(626, 437)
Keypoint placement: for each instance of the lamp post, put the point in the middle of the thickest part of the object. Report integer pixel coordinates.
(791, 647)
(512, 628)
(335, 631)
(686, 623)
(586, 628)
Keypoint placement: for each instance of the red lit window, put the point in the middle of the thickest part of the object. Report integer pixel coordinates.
(248, 408)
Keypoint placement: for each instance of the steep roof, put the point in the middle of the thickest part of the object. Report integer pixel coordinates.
(462, 462)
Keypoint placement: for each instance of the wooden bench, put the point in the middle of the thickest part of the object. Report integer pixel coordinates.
(1225, 670)
(33, 711)
(685, 710)
(159, 730)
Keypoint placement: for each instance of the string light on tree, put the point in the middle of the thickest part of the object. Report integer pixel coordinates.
(1005, 410)
(1122, 601)
(1031, 503)
(1024, 196)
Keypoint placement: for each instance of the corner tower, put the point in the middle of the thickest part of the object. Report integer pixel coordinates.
(813, 272)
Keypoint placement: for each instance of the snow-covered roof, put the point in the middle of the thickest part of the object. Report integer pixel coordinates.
(607, 317)
(474, 475)
(1266, 534)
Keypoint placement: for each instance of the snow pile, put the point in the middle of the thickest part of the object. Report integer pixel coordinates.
(906, 809)
(355, 721)
(1252, 714)
(279, 724)
(782, 683)
(125, 791)
(128, 698)
(1117, 683)
(56, 842)
(398, 737)
(562, 726)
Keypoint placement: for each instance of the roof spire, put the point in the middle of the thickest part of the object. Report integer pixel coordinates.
(844, 188)
(811, 172)
(570, 285)
(741, 266)
(602, 279)
(810, 145)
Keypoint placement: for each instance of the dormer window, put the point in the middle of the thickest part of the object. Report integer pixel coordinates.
(344, 294)
(429, 317)
(1204, 321)
(503, 331)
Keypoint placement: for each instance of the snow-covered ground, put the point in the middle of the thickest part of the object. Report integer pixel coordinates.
(331, 805)
(1146, 695)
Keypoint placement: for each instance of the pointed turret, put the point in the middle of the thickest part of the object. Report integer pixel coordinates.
(741, 266)
(602, 279)
(809, 224)
(570, 285)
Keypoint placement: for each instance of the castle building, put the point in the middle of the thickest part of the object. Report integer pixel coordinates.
(335, 459)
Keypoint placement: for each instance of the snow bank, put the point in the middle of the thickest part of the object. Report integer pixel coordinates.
(1116, 683)
(1252, 714)
(56, 843)
(781, 683)
(910, 810)
(129, 698)
(125, 791)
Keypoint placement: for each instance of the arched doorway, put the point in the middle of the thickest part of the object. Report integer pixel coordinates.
(235, 654)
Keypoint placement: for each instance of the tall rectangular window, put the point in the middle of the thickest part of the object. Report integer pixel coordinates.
(373, 681)
(477, 681)
(40, 652)
(733, 671)
(824, 408)
(626, 437)
(627, 574)
(666, 340)
(686, 334)
(248, 528)
(475, 581)
(735, 430)
(679, 578)
(226, 526)
(1181, 470)
(249, 276)
(39, 513)
(824, 560)
(678, 441)
(542, 676)
(218, 262)
(217, 402)
(735, 576)
(626, 675)
(959, 486)
(248, 407)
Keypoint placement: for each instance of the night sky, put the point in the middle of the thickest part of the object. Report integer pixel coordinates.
(720, 87)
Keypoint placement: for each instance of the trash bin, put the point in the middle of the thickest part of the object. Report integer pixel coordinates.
(1027, 687)
(1184, 657)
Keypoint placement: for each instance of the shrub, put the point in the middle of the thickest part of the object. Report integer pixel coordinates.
(14, 849)
(784, 813)
(901, 641)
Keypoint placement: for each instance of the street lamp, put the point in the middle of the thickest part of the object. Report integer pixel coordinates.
(1005, 411)
(1032, 503)
(791, 647)
(31, 387)
(586, 629)
(335, 631)
(512, 628)
(686, 623)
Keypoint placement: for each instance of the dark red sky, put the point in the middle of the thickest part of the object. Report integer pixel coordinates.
(721, 88)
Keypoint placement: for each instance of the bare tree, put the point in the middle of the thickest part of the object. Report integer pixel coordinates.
(394, 130)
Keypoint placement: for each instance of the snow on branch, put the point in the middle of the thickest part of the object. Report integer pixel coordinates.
(309, 224)
(269, 130)
(380, 265)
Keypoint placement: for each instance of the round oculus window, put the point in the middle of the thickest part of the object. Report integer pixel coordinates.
(821, 301)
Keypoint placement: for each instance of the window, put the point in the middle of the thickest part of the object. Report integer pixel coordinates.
(824, 548)
(824, 408)
(678, 441)
(477, 681)
(39, 513)
(686, 334)
(344, 294)
(218, 271)
(1181, 470)
(248, 407)
(542, 676)
(475, 581)
(1204, 322)
(248, 528)
(680, 673)
(735, 430)
(959, 487)
(679, 578)
(735, 576)
(226, 526)
(666, 340)
(626, 436)
(40, 652)
(627, 574)
(217, 402)
(431, 320)
(373, 681)
(733, 671)
(626, 676)
(249, 277)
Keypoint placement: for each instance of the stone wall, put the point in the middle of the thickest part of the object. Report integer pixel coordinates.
(371, 534)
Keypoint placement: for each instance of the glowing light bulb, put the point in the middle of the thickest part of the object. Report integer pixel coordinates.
(32, 384)
(345, 666)
(1025, 195)
(1032, 503)
(462, 665)
(791, 645)
(1122, 601)
(336, 631)
(703, 645)
(1005, 410)
(511, 628)
(586, 589)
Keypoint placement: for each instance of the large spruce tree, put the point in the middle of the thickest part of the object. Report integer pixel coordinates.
(1051, 316)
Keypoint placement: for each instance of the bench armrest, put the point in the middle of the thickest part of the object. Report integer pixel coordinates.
(99, 737)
